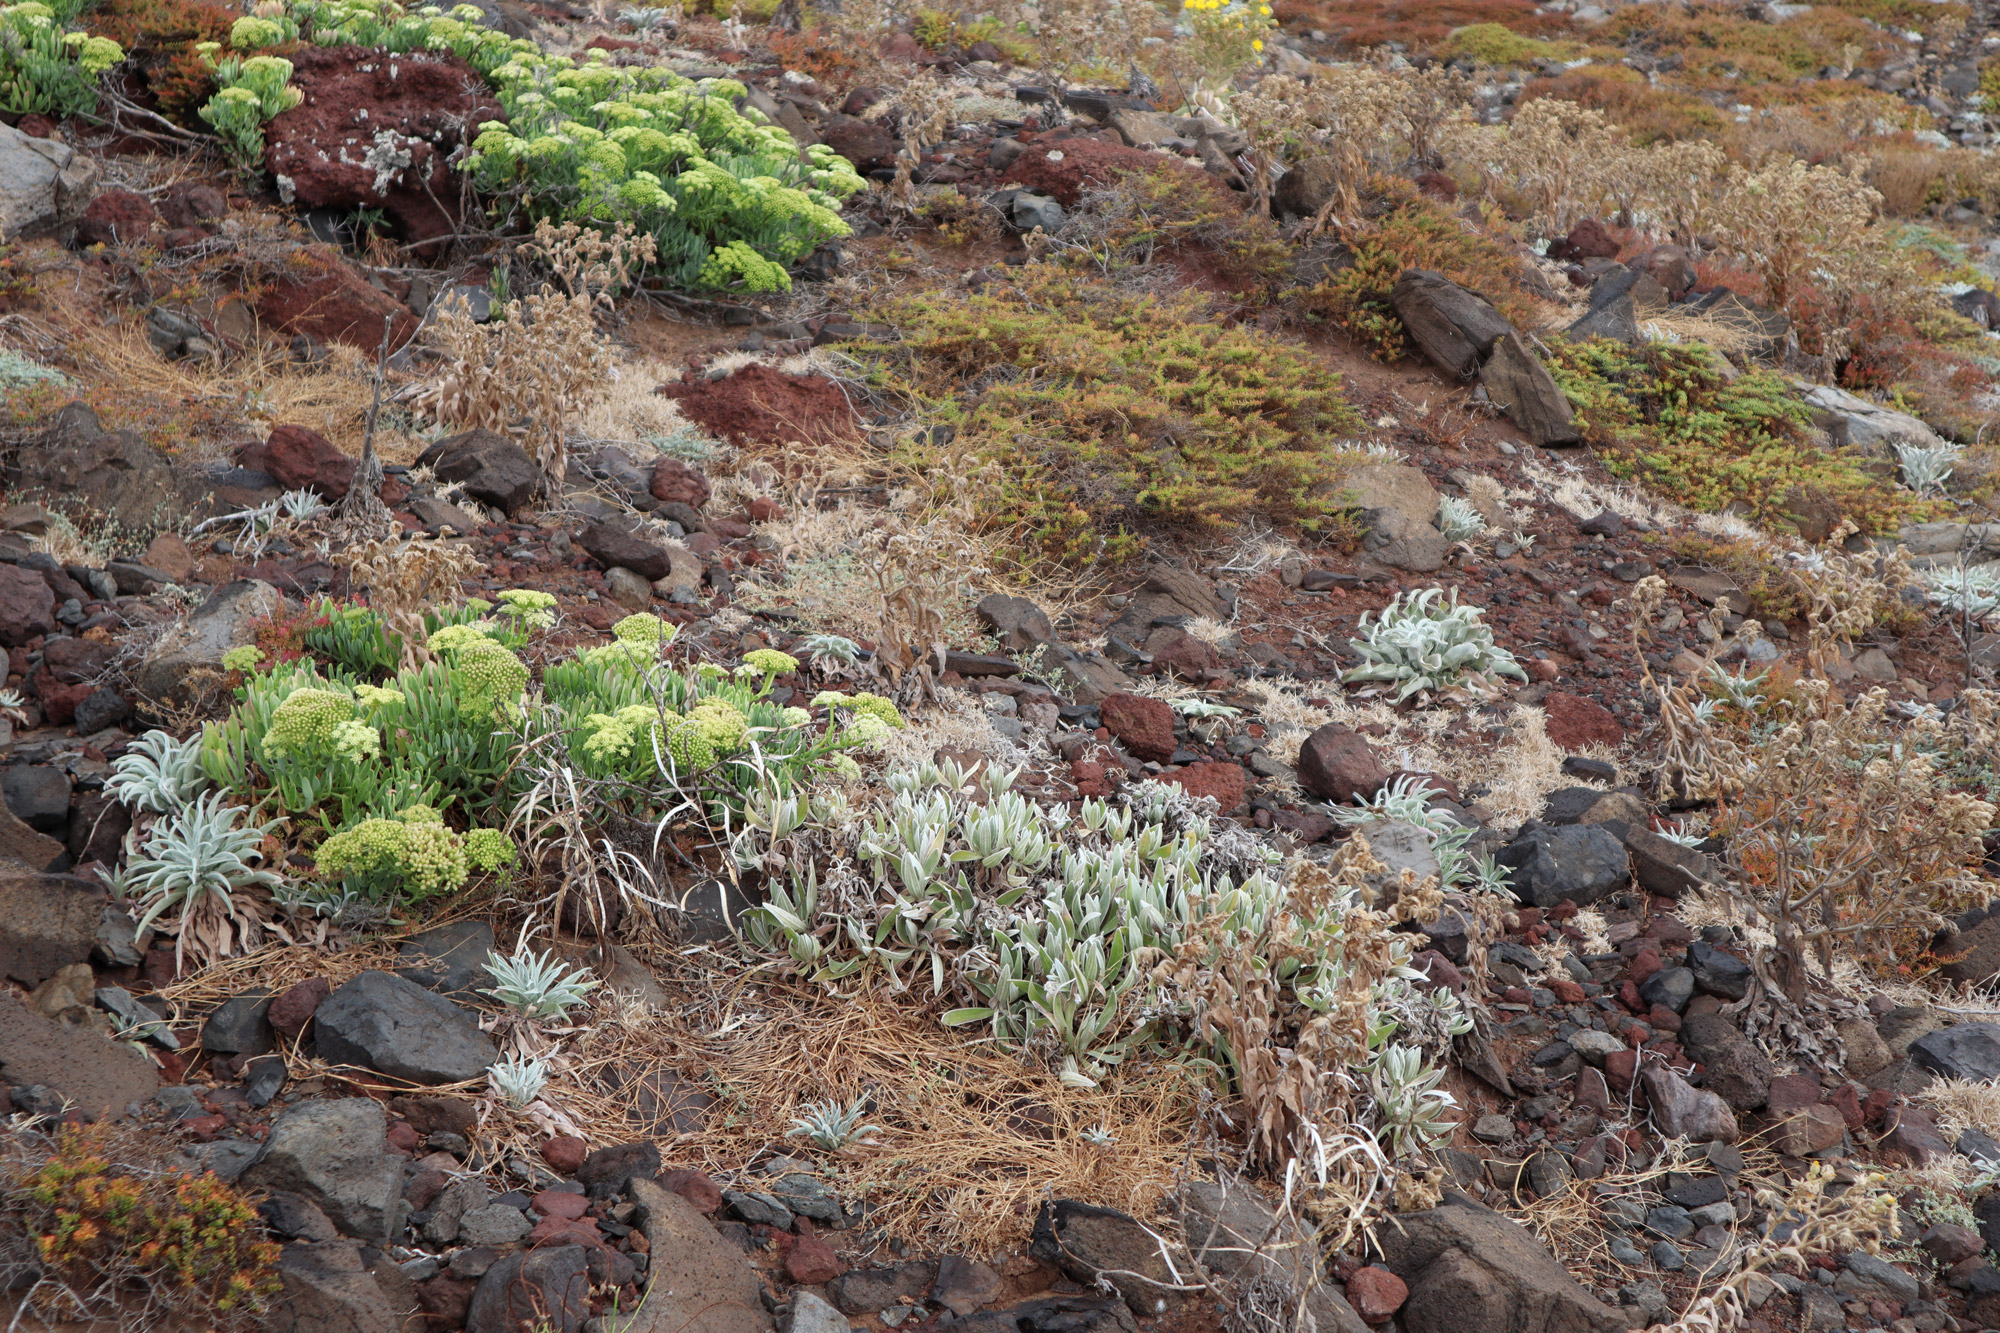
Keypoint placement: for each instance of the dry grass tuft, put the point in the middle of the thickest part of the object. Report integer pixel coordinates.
(971, 1138)
(1961, 1105)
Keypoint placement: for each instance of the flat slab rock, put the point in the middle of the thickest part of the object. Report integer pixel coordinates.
(101, 1076)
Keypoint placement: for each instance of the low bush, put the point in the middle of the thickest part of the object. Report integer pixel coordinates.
(1726, 49)
(1421, 25)
(1105, 412)
(1649, 114)
(1665, 415)
(190, 1244)
(1496, 44)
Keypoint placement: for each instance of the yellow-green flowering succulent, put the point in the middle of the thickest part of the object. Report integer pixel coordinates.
(533, 609)
(244, 658)
(770, 662)
(302, 727)
(414, 853)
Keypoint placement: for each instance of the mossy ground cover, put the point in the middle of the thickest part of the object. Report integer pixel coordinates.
(1099, 412)
(1666, 416)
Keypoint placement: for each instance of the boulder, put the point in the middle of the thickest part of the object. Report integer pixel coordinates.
(1167, 594)
(675, 482)
(380, 134)
(1855, 423)
(1716, 973)
(615, 548)
(47, 923)
(700, 1282)
(868, 144)
(1337, 764)
(1237, 1236)
(116, 217)
(1969, 1051)
(1588, 239)
(336, 1153)
(1457, 329)
(113, 473)
(1767, 333)
(1733, 1067)
(1615, 319)
(1620, 282)
(100, 1077)
(1521, 386)
(45, 185)
(228, 619)
(546, 1290)
(1685, 1112)
(487, 466)
(326, 1288)
(381, 1021)
(317, 293)
(1145, 726)
(450, 958)
(1306, 188)
(1397, 504)
(1579, 862)
(37, 794)
(1016, 622)
(1671, 267)
(1470, 1270)
(27, 607)
(1092, 1245)
(301, 458)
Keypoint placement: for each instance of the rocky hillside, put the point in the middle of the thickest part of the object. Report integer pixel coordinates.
(1273, 667)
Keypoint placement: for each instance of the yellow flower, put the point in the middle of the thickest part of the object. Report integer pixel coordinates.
(1256, 43)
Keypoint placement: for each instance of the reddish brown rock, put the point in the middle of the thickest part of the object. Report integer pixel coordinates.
(1145, 726)
(1181, 654)
(1574, 722)
(403, 1138)
(191, 205)
(301, 458)
(116, 217)
(674, 481)
(27, 607)
(1588, 239)
(376, 132)
(1337, 764)
(811, 1260)
(1792, 1092)
(868, 144)
(318, 293)
(559, 1203)
(293, 1009)
(1811, 1130)
(1227, 783)
(1376, 1293)
(695, 1187)
(565, 1153)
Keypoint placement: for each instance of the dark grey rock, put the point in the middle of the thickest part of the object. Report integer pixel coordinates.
(545, 1289)
(240, 1026)
(487, 466)
(1716, 973)
(327, 1288)
(1471, 1270)
(1582, 863)
(381, 1021)
(450, 958)
(38, 795)
(1970, 1051)
(1670, 988)
(336, 1153)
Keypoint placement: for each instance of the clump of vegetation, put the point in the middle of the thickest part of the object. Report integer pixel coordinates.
(1103, 411)
(1498, 45)
(1426, 645)
(192, 1244)
(1047, 930)
(46, 67)
(1403, 230)
(1665, 415)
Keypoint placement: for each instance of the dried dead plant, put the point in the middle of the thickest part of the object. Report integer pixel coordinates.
(1847, 833)
(1862, 1216)
(1696, 761)
(533, 371)
(924, 109)
(404, 578)
(971, 1138)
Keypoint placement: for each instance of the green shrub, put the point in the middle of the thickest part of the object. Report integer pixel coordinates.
(1101, 412)
(46, 69)
(1665, 415)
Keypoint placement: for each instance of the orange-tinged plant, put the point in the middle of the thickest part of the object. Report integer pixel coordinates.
(195, 1240)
